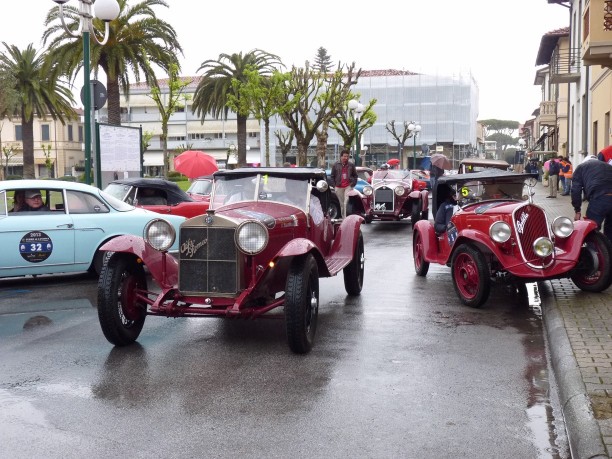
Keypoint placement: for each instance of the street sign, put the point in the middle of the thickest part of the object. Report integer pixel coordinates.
(98, 95)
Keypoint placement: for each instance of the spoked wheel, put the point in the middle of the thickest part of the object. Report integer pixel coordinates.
(593, 272)
(121, 313)
(353, 273)
(470, 276)
(302, 304)
(333, 210)
(418, 253)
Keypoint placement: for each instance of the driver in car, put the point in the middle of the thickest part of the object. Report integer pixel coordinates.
(445, 212)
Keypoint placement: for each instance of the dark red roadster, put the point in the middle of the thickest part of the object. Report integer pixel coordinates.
(263, 244)
(393, 195)
(498, 233)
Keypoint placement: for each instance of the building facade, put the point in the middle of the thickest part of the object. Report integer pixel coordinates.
(58, 148)
(446, 107)
(578, 76)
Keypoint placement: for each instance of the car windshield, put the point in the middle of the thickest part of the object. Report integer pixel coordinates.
(390, 174)
(228, 189)
(201, 187)
(478, 191)
(115, 203)
(118, 190)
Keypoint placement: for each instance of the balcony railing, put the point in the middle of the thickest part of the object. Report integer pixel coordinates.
(565, 65)
(548, 113)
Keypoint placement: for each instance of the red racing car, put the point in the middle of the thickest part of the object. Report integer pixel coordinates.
(499, 234)
(264, 243)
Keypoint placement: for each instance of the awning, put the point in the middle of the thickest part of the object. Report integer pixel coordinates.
(153, 159)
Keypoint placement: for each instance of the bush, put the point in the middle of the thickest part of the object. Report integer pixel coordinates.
(69, 178)
(13, 177)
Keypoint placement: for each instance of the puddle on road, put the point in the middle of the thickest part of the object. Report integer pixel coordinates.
(543, 412)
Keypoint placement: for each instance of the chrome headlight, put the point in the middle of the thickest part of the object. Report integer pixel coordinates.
(563, 227)
(500, 231)
(367, 190)
(399, 190)
(543, 247)
(159, 234)
(251, 237)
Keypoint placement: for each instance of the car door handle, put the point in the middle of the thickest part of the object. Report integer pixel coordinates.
(67, 225)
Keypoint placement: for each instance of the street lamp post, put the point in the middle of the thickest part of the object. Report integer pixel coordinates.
(414, 130)
(106, 10)
(357, 109)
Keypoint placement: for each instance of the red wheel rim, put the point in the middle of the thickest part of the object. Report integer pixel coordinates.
(466, 276)
(419, 251)
(129, 298)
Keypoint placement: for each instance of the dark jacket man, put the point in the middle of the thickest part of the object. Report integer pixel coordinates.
(594, 179)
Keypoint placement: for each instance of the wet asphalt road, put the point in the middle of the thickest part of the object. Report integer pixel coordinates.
(404, 370)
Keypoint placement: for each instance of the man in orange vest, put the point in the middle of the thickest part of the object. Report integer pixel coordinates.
(568, 172)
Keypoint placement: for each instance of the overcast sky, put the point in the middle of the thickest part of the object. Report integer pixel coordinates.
(496, 41)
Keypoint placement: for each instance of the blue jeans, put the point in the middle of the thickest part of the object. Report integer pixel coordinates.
(567, 186)
(600, 210)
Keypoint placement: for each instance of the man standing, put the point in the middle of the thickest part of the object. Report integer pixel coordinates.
(594, 178)
(344, 178)
(553, 177)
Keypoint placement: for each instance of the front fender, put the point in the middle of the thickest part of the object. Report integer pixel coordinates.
(569, 248)
(162, 266)
(345, 242)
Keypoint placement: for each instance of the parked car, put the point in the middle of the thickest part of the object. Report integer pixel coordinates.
(263, 244)
(394, 195)
(65, 236)
(500, 234)
(365, 177)
(469, 165)
(200, 188)
(423, 176)
(159, 195)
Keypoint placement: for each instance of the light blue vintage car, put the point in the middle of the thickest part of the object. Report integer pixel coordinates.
(72, 222)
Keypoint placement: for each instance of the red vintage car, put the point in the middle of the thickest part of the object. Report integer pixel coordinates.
(158, 195)
(499, 234)
(263, 244)
(200, 188)
(394, 195)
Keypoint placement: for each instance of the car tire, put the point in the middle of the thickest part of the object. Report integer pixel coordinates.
(416, 212)
(354, 271)
(97, 263)
(421, 266)
(368, 219)
(425, 215)
(593, 272)
(302, 303)
(471, 276)
(120, 312)
(334, 210)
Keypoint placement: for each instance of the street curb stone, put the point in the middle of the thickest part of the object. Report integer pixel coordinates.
(582, 428)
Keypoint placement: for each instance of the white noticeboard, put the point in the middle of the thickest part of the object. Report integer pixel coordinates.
(119, 148)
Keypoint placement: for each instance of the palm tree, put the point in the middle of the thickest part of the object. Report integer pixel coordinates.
(223, 77)
(137, 40)
(39, 94)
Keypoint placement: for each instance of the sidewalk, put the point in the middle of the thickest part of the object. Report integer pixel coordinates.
(579, 329)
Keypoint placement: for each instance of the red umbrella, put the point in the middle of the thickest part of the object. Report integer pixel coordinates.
(441, 161)
(393, 162)
(194, 163)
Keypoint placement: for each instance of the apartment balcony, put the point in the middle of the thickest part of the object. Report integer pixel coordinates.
(565, 65)
(597, 34)
(548, 113)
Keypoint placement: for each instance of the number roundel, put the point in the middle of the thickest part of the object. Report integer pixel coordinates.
(35, 246)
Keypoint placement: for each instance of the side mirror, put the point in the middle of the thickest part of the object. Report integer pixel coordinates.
(322, 186)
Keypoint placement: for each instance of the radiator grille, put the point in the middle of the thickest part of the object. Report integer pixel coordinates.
(383, 199)
(208, 260)
(530, 224)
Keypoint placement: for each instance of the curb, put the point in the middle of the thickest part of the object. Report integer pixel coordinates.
(584, 435)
